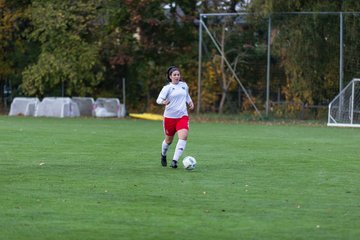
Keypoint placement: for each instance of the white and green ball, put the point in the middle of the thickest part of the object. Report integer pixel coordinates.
(189, 163)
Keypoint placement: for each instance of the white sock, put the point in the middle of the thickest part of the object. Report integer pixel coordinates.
(180, 146)
(164, 148)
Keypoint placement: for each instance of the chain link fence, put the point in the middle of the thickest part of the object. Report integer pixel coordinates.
(310, 58)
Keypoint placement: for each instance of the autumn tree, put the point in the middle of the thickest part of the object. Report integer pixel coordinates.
(235, 40)
(307, 46)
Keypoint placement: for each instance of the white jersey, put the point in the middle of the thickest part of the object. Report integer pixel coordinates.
(178, 96)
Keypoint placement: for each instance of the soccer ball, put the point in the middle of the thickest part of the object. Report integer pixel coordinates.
(189, 163)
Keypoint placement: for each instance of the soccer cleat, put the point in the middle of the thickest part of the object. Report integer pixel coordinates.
(163, 161)
(173, 164)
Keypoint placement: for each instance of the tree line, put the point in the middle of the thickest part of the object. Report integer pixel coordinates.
(86, 48)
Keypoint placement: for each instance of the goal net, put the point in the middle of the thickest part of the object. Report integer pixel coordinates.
(109, 107)
(344, 110)
(57, 107)
(86, 105)
(23, 106)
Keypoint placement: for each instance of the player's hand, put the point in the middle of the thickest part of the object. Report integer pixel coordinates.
(166, 102)
(191, 105)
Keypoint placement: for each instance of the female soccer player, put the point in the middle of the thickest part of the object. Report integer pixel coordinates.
(175, 96)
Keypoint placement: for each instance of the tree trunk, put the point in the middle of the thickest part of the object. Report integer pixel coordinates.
(222, 101)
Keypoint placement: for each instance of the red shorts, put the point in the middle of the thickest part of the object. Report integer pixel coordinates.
(172, 125)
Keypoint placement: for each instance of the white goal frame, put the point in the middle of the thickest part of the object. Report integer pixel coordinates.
(343, 107)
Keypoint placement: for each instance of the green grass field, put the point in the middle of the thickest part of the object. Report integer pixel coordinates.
(102, 179)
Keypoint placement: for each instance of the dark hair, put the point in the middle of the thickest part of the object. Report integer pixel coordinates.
(170, 71)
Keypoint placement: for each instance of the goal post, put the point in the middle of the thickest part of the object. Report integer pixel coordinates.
(344, 109)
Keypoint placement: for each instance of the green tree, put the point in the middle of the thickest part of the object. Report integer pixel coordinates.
(9, 25)
(7, 21)
(15, 52)
(67, 32)
(166, 35)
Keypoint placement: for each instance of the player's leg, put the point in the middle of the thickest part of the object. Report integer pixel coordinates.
(166, 144)
(169, 132)
(182, 130)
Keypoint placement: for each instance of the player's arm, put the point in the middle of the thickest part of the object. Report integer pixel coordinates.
(189, 100)
(162, 98)
(191, 105)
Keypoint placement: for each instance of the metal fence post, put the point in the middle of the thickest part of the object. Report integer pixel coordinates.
(268, 69)
(199, 67)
